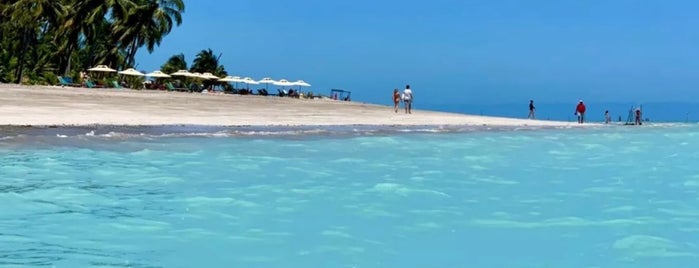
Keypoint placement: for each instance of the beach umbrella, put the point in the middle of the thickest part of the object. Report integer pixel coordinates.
(157, 74)
(283, 83)
(249, 81)
(209, 76)
(301, 83)
(131, 71)
(230, 79)
(266, 81)
(101, 68)
(234, 79)
(184, 73)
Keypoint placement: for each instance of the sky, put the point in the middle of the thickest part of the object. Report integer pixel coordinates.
(453, 52)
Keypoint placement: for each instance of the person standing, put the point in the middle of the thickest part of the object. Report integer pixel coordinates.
(396, 99)
(580, 112)
(408, 99)
(531, 110)
(607, 118)
(637, 116)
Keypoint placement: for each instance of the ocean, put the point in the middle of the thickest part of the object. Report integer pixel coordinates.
(685, 112)
(608, 196)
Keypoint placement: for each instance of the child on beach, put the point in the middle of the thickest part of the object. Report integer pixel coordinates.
(396, 99)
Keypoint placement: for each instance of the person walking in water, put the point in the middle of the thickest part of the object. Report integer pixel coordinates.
(531, 110)
(408, 99)
(396, 99)
(580, 112)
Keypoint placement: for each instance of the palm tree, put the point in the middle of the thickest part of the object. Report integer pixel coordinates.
(27, 17)
(174, 64)
(207, 62)
(79, 25)
(147, 24)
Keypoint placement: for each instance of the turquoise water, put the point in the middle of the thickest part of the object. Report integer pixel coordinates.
(603, 197)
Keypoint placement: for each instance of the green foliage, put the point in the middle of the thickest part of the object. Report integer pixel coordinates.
(42, 37)
(174, 64)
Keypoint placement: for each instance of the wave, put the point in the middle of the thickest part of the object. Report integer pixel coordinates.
(14, 134)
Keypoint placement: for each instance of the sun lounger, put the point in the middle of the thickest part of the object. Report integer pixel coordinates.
(67, 81)
(115, 84)
(90, 84)
(170, 87)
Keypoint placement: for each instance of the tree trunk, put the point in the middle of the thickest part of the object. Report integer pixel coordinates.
(65, 69)
(130, 59)
(22, 54)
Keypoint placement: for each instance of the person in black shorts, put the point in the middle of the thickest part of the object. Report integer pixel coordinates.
(531, 110)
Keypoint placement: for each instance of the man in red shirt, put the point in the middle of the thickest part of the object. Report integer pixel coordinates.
(580, 112)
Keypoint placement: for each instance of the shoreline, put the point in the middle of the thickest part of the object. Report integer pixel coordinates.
(65, 107)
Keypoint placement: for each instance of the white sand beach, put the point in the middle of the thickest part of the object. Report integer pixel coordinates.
(49, 106)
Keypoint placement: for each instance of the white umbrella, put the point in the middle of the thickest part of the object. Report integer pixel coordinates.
(301, 83)
(234, 79)
(229, 78)
(157, 74)
(101, 68)
(209, 76)
(267, 81)
(283, 83)
(131, 71)
(250, 81)
(184, 73)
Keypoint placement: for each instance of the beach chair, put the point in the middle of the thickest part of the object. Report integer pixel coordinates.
(170, 87)
(90, 84)
(67, 81)
(115, 84)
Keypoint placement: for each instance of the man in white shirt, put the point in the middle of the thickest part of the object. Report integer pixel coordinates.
(408, 99)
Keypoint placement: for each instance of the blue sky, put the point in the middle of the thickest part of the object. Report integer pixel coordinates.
(453, 52)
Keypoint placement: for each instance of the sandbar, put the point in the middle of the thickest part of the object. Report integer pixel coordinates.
(66, 106)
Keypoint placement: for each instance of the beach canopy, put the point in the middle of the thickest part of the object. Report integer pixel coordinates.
(283, 83)
(101, 68)
(301, 83)
(184, 73)
(157, 74)
(131, 71)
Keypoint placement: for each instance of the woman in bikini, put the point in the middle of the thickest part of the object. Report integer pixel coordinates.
(396, 99)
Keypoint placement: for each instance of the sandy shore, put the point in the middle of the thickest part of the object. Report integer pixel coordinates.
(42, 106)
